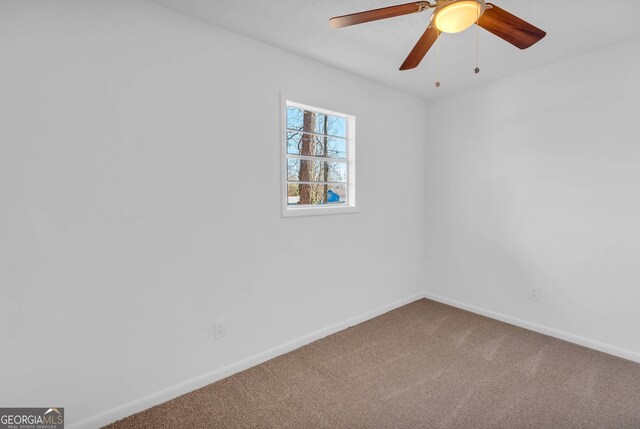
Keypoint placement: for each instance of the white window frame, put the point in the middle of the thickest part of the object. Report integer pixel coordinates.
(350, 205)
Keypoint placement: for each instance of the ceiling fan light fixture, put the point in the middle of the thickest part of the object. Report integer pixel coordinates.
(451, 16)
(457, 15)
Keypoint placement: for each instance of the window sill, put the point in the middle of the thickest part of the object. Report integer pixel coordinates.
(316, 211)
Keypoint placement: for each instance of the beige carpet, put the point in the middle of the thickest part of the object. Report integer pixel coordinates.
(425, 365)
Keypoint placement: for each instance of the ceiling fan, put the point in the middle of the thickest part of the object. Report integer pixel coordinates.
(451, 16)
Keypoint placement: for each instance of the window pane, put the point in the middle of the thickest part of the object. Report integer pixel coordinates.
(309, 144)
(304, 194)
(319, 123)
(316, 171)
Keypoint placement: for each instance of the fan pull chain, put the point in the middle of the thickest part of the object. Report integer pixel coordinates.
(438, 62)
(477, 69)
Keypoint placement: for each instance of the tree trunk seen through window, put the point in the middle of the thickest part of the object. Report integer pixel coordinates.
(306, 167)
(325, 153)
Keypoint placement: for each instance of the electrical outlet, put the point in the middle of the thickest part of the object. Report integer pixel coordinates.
(220, 328)
(534, 293)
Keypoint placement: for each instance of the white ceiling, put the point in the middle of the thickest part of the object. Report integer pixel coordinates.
(376, 50)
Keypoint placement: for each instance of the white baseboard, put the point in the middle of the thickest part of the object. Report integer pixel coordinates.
(566, 336)
(156, 398)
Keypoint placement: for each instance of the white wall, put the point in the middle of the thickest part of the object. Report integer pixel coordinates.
(140, 193)
(535, 180)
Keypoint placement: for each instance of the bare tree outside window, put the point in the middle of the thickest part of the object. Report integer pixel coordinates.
(316, 158)
(308, 147)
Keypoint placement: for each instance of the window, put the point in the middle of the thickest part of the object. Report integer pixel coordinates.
(318, 161)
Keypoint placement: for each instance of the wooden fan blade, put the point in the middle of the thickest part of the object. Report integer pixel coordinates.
(376, 14)
(509, 27)
(420, 50)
